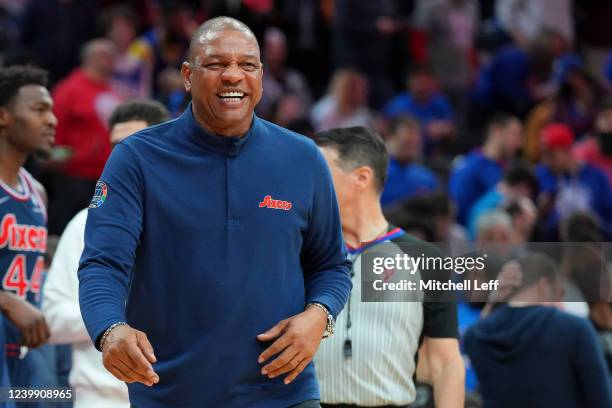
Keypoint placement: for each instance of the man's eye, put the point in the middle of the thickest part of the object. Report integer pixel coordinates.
(249, 66)
(214, 65)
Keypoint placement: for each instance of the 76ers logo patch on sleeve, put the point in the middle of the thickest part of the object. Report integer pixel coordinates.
(99, 194)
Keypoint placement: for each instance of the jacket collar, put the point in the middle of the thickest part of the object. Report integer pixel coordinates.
(231, 146)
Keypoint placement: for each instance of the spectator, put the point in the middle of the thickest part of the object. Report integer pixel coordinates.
(423, 101)
(582, 265)
(450, 27)
(90, 380)
(345, 104)
(406, 177)
(597, 150)
(575, 103)
(518, 181)
(280, 80)
(517, 77)
(525, 19)
(567, 186)
(560, 352)
(133, 75)
(523, 213)
(481, 169)
(290, 108)
(83, 102)
(493, 228)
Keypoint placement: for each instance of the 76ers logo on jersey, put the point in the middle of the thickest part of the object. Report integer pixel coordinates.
(268, 202)
(22, 238)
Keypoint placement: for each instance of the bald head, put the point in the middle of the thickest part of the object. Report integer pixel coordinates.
(98, 58)
(95, 48)
(213, 28)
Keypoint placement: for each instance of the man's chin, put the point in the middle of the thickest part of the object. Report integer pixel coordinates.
(233, 118)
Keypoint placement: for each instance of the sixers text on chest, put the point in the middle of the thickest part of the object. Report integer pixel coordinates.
(25, 245)
(268, 202)
(22, 237)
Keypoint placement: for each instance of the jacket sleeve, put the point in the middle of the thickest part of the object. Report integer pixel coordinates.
(112, 236)
(60, 303)
(324, 259)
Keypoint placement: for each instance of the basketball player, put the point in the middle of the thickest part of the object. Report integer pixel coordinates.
(27, 126)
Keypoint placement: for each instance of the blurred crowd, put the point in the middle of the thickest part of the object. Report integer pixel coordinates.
(497, 114)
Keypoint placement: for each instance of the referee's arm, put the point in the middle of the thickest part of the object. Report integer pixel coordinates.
(446, 371)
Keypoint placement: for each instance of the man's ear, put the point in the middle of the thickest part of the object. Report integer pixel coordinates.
(364, 176)
(186, 74)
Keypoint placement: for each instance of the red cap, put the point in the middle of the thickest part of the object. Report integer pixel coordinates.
(557, 136)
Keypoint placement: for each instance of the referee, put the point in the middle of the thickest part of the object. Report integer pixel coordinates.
(371, 359)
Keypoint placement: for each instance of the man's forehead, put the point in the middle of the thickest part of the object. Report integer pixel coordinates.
(34, 93)
(223, 42)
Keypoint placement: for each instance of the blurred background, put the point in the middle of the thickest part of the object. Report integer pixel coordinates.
(496, 113)
(461, 90)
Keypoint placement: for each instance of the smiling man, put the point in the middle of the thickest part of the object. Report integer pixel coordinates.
(196, 293)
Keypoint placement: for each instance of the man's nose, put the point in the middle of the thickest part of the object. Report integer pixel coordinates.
(232, 74)
(51, 119)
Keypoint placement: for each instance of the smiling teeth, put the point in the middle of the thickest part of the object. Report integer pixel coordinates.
(232, 95)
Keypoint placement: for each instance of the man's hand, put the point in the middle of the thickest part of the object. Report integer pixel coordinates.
(127, 354)
(297, 341)
(29, 321)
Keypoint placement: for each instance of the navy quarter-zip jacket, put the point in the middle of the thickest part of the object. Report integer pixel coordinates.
(203, 242)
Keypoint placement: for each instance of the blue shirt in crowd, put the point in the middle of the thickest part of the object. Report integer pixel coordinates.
(472, 178)
(437, 108)
(407, 180)
(504, 81)
(538, 356)
(586, 190)
(212, 241)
